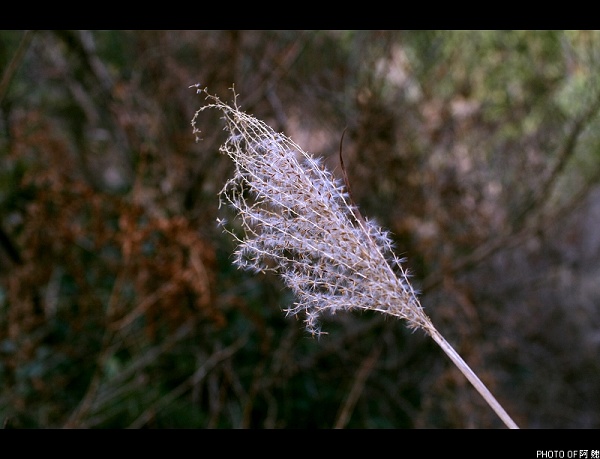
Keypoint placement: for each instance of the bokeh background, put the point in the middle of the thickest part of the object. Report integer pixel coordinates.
(119, 305)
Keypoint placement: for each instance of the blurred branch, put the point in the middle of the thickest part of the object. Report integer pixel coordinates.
(359, 382)
(96, 397)
(530, 219)
(146, 303)
(9, 247)
(5, 241)
(565, 153)
(15, 62)
(193, 380)
(280, 69)
(82, 44)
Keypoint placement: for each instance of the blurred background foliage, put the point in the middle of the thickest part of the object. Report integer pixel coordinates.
(119, 306)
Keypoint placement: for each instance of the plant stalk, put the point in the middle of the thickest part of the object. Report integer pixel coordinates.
(473, 379)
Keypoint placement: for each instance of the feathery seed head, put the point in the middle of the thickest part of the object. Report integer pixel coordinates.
(297, 220)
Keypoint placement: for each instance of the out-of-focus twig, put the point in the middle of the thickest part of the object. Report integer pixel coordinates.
(359, 382)
(193, 380)
(15, 62)
(531, 217)
(9, 247)
(97, 396)
(5, 241)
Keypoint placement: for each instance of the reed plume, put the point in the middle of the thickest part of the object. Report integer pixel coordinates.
(299, 221)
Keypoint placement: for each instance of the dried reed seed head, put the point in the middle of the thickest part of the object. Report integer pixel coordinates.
(298, 221)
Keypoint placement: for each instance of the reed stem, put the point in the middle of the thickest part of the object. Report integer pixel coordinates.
(473, 378)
